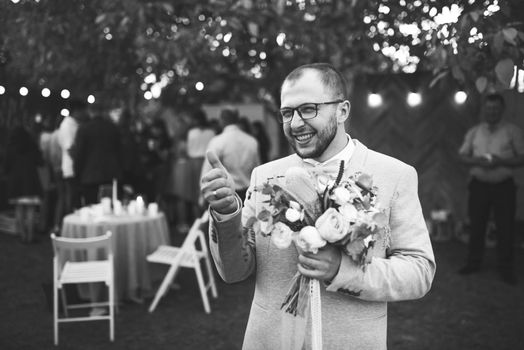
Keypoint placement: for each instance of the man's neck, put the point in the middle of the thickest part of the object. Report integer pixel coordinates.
(343, 153)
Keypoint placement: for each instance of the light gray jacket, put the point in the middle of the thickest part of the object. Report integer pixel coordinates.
(354, 305)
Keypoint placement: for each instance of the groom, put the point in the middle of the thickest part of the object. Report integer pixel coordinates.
(354, 303)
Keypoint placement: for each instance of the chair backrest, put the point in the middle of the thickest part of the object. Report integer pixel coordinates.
(196, 233)
(65, 246)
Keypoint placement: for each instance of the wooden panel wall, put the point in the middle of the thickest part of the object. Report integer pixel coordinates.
(427, 136)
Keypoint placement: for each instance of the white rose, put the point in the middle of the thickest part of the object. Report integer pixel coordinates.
(292, 215)
(332, 226)
(281, 236)
(341, 195)
(309, 239)
(349, 212)
(294, 205)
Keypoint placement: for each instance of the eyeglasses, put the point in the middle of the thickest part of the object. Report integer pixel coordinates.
(305, 111)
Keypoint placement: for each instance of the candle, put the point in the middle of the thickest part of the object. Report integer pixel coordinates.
(114, 192)
(140, 206)
(152, 209)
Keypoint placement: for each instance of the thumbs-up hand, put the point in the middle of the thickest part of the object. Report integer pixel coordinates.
(217, 186)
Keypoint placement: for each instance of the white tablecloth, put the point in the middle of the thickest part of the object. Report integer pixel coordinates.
(134, 237)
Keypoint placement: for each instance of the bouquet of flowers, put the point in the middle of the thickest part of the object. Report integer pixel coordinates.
(306, 208)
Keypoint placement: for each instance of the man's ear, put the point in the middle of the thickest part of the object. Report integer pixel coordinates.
(344, 109)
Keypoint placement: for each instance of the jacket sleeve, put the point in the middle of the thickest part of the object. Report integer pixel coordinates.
(408, 268)
(232, 244)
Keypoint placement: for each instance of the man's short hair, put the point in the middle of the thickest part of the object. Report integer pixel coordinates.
(329, 75)
(495, 98)
(229, 115)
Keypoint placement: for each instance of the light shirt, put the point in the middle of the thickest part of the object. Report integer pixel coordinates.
(197, 141)
(66, 138)
(238, 152)
(51, 150)
(505, 141)
(345, 155)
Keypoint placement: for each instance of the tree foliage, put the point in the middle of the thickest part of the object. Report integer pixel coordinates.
(245, 47)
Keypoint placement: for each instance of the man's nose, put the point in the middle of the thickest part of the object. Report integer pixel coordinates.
(296, 120)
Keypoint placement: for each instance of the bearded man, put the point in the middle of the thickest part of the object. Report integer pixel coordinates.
(314, 109)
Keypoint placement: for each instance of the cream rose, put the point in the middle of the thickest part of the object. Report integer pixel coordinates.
(309, 239)
(293, 215)
(341, 195)
(281, 236)
(349, 212)
(332, 225)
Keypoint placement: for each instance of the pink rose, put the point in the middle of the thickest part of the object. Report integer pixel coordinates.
(332, 225)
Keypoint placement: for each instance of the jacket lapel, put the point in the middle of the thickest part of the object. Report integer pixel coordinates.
(358, 159)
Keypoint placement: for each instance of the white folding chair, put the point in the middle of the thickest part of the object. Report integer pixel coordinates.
(189, 256)
(68, 271)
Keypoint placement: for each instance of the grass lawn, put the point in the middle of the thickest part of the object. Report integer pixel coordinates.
(474, 312)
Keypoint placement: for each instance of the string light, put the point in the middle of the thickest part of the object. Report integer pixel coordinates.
(374, 100)
(460, 97)
(414, 99)
(91, 99)
(46, 92)
(23, 91)
(65, 94)
(148, 95)
(199, 86)
(64, 112)
(2, 90)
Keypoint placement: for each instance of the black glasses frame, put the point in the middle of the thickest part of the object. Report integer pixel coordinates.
(286, 110)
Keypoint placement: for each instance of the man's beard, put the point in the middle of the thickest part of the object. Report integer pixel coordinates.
(324, 138)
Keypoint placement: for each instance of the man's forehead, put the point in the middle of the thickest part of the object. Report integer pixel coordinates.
(309, 81)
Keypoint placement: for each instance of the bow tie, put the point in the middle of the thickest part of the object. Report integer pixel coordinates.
(329, 169)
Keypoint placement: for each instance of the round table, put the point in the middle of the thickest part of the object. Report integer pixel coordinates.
(133, 238)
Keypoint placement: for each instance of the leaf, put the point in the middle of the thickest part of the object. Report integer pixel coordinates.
(475, 15)
(251, 221)
(504, 71)
(458, 74)
(498, 43)
(264, 215)
(253, 29)
(168, 7)
(481, 83)
(100, 18)
(509, 35)
(436, 79)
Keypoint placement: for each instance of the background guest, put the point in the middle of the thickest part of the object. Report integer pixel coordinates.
(66, 139)
(154, 148)
(52, 156)
(264, 144)
(97, 155)
(237, 150)
(492, 149)
(23, 184)
(186, 172)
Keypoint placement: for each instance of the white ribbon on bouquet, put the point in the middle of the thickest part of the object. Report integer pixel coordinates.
(316, 314)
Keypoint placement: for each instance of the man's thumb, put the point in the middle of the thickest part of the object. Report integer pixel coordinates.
(213, 159)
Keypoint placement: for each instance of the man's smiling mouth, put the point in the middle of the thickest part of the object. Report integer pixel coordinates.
(304, 137)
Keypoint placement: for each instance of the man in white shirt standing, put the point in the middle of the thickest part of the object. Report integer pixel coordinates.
(492, 149)
(236, 149)
(66, 139)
